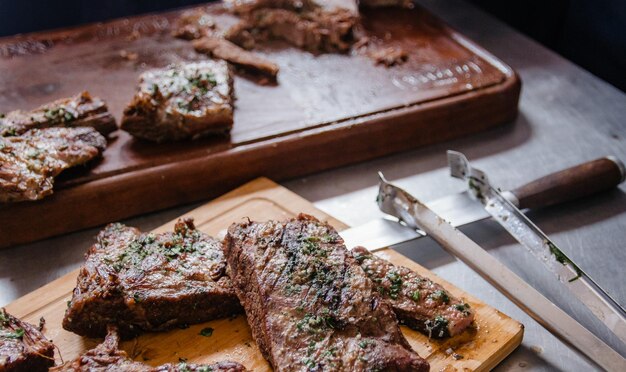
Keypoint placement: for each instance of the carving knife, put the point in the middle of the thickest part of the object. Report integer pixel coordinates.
(416, 216)
(461, 209)
(571, 276)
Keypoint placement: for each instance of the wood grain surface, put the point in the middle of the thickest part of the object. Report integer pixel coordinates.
(325, 111)
(494, 336)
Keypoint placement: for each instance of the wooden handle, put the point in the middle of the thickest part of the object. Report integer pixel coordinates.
(572, 183)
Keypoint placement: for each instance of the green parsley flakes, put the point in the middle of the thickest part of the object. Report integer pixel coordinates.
(206, 332)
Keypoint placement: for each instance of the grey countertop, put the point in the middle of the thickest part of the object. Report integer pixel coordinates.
(567, 116)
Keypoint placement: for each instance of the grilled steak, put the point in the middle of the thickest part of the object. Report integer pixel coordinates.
(417, 301)
(315, 26)
(150, 282)
(181, 101)
(107, 357)
(220, 48)
(82, 110)
(309, 303)
(29, 163)
(22, 346)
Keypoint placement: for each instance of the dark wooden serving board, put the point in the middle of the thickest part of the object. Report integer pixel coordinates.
(326, 111)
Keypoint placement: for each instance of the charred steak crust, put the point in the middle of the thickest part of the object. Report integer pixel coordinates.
(82, 110)
(22, 346)
(108, 357)
(150, 282)
(188, 100)
(29, 163)
(418, 302)
(309, 303)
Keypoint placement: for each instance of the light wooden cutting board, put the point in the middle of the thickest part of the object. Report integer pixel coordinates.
(494, 336)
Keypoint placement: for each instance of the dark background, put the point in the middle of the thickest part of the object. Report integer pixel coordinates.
(592, 33)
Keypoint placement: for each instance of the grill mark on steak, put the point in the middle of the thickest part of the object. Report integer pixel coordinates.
(189, 100)
(22, 346)
(82, 110)
(29, 163)
(418, 302)
(108, 357)
(150, 282)
(309, 303)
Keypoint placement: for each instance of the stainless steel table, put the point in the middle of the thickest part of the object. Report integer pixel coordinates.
(567, 116)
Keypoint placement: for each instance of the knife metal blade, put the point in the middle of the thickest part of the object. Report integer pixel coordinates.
(459, 209)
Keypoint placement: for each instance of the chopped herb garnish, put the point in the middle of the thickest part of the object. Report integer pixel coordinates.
(310, 246)
(292, 288)
(19, 333)
(327, 238)
(360, 258)
(464, 308)
(206, 332)
(58, 115)
(562, 258)
(315, 323)
(440, 295)
(473, 186)
(438, 325)
(396, 284)
(415, 296)
(309, 362)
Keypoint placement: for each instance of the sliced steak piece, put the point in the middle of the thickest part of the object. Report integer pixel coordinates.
(108, 357)
(29, 163)
(418, 302)
(315, 26)
(182, 101)
(22, 346)
(150, 282)
(309, 303)
(218, 47)
(82, 110)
